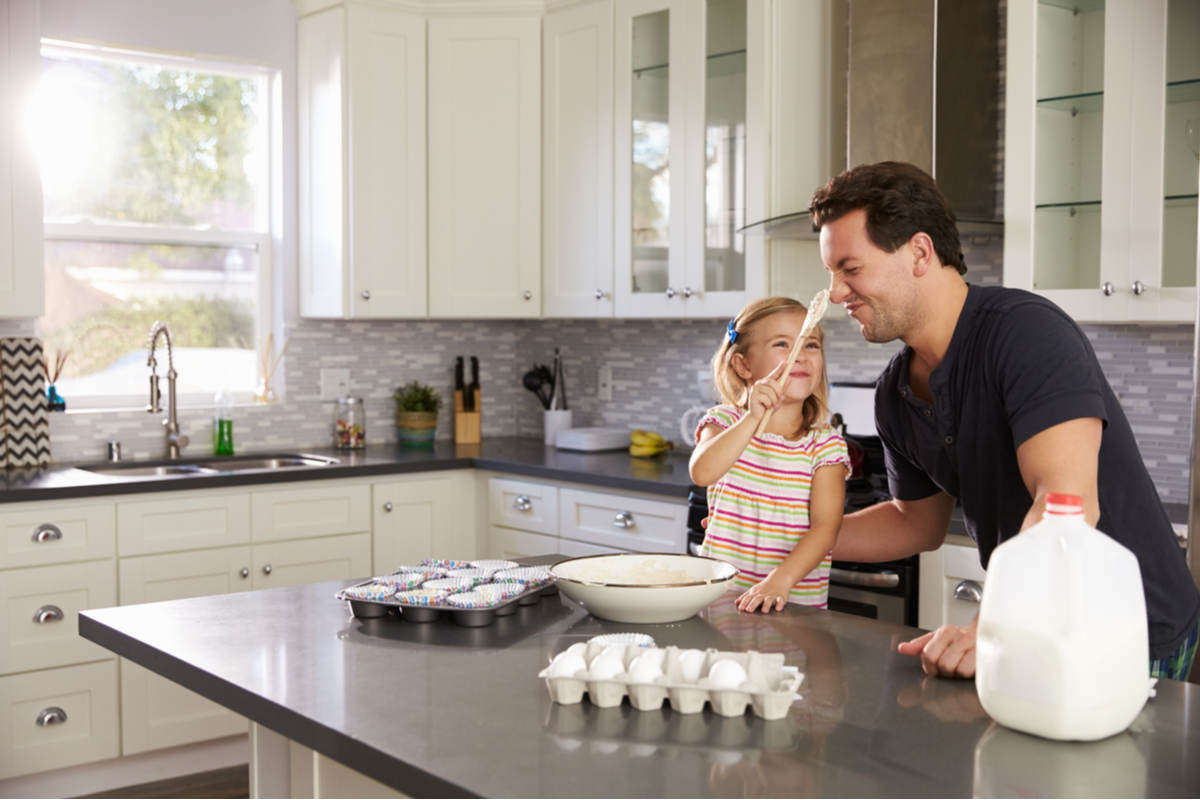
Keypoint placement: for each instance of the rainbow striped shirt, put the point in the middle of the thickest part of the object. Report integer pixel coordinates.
(758, 511)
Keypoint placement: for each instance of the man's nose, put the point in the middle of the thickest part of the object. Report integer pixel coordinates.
(838, 291)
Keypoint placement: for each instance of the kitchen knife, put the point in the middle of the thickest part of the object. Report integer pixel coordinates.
(458, 374)
(473, 387)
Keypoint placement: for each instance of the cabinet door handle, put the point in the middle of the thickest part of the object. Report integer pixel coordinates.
(599, 294)
(388, 507)
(670, 292)
(527, 295)
(1107, 288)
(623, 519)
(267, 569)
(47, 532)
(366, 294)
(523, 503)
(969, 591)
(48, 613)
(244, 572)
(1138, 288)
(51, 716)
(687, 292)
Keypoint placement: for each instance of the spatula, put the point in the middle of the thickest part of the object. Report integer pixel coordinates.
(816, 310)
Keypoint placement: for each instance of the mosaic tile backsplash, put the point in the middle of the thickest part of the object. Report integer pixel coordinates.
(659, 368)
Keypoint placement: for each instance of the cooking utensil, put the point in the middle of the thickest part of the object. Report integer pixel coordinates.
(558, 392)
(473, 386)
(816, 310)
(535, 382)
(458, 374)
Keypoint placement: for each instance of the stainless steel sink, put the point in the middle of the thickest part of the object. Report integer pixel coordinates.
(210, 466)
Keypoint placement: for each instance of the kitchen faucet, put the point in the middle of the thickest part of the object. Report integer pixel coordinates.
(175, 440)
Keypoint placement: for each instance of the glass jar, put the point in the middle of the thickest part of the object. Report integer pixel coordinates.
(349, 424)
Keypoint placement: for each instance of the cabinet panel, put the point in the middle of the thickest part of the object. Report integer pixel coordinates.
(949, 571)
(576, 549)
(54, 532)
(484, 167)
(316, 510)
(625, 523)
(312, 561)
(40, 623)
(510, 544)
(426, 518)
(523, 505)
(182, 521)
(85, 695)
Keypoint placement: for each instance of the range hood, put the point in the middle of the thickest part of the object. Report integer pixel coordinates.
(923, 86)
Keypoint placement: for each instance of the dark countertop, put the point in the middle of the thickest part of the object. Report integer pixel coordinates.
(437, 709)
(666, 474)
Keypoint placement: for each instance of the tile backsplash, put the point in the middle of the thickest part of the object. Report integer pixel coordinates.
(659, 367)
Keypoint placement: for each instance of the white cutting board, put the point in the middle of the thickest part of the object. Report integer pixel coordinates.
(592, 440)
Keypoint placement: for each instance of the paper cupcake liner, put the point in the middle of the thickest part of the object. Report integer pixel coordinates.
(494, 564)
(635, 639)
(528, 575)
(474, 574)
(502, 590)
(445, 563)
(372, 592)
(421, 597)
(473, 599)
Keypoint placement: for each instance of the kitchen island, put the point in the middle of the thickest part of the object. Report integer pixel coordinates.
(438, 709)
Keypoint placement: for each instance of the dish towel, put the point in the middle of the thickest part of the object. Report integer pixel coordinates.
(25, 420)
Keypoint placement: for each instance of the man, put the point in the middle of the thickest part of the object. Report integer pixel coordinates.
(996, 400)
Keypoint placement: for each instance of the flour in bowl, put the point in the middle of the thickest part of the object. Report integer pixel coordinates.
(648, 572)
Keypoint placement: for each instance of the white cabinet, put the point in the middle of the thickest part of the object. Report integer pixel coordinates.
(311, 509)
(22, 285)
(361, 96)
(484, 94)
(1100, 177)
(577, 161)
(55, 533)
(430, 516)
(39, 624)
(510, 543)
(525, 505)
(170, 521)
(688, 80)
(951, 586)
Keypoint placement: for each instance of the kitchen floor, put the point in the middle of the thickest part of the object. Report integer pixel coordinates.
(221, 783)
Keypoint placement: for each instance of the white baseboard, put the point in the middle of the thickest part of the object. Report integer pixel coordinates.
(103, 776)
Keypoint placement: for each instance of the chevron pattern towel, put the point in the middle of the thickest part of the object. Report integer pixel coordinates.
(25, 423)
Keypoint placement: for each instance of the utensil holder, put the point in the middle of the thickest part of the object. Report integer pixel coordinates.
(555, 420)
(467, 424)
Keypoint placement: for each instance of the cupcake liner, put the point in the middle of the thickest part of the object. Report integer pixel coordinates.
(421, 597)
(449, 584)
(529, 575)
(476, 575)
(494, 564)
(473, 599)
(501, 590)
(374, 591)
(635, 639)
(445, 563)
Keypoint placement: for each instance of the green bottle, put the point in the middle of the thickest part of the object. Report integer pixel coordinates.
(223, 423)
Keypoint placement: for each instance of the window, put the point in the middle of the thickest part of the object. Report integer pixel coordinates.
(156, 174)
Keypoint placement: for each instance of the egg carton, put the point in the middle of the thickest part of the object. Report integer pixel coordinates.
(473, 596)
(769, 688)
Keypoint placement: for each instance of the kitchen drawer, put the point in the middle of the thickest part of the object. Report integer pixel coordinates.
(312, 561)
(961, 585)
(86, 699)
(182, 521)
(623, 523)
(318, 509)
(40, 623)
(574, 549)
(523, 504)
(55, 532)
(510, 544)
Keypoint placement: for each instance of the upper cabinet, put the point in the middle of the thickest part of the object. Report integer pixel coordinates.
(22, 285)
(485, 166)
(361, 108)
(689, 133)
(1102, 152)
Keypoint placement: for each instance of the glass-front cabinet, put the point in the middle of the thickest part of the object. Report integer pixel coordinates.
(685, 75)
(1100, 179)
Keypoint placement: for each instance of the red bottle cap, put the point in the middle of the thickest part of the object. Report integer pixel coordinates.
(1060, 503)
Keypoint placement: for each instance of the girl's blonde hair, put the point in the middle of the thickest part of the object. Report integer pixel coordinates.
(735, 391)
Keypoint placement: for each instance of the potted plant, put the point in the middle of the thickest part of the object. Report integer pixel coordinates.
(417, 405)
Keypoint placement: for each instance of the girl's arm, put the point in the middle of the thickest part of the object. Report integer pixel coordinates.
(824, 518)
(718, 450)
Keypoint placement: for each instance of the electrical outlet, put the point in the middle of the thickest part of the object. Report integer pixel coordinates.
(335, 383)
(604, 381)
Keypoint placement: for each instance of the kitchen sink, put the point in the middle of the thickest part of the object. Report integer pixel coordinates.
(209, 466)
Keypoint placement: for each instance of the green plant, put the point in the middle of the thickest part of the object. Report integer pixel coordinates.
(417, 396)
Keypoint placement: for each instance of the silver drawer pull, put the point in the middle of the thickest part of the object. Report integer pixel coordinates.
(51, 716)
(969, 591)
(886, 579)
(48, 614)
(47, 532)
(267, 569)
(623, 519)
(244, 572)
(523, 503)
(388, 507)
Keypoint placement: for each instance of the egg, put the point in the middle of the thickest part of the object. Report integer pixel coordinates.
(727, 675)
(579, 649)
(690, 664)
(606, 667)
(566, 664)
(617, 651)
(645, 670)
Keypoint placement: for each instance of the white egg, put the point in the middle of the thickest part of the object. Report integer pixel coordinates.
(606, 667)
(566, 664)
(617, 651)
(727, 675)
(579, 648)
(645, 670)
(690, 664)
(655, 656)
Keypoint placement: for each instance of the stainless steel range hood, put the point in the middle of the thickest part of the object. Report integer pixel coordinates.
(923, 87)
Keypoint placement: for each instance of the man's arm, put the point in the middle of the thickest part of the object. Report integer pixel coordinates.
(894, 529)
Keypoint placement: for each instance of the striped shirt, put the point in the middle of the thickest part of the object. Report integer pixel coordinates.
(758, 512)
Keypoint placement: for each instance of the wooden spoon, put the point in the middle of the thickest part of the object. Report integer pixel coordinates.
(816, 310)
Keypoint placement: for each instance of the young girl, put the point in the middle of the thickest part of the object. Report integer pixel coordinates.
(774, 500)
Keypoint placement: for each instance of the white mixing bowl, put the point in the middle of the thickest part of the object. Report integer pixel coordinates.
(643, 587)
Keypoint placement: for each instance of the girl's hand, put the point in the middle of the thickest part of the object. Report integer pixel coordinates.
(763, 393)
(771, 593)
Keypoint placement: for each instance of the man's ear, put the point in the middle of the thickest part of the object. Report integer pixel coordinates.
(923, 255)
(740, 367)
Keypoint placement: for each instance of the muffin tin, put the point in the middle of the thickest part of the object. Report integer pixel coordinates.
(471, 593)
(769, 687)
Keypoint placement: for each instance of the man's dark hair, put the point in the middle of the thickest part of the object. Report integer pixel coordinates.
(900, 200)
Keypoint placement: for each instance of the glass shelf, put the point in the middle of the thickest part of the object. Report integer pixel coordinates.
(1079, 204)
(797, 225)
(1180, 200)
(1078, 6)
(1086, 103)
(731, 58)
(1183, 91)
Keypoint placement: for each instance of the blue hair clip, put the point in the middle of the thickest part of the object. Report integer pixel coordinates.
(731, 331)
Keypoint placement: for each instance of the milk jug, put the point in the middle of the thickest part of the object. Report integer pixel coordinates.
(1062, 648)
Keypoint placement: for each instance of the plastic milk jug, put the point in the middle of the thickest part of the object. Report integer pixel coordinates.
(1062, 649)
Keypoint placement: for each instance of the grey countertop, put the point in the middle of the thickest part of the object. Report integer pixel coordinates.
(437, 709)
(666, 474)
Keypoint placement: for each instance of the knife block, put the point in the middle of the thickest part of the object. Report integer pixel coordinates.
(467, 424)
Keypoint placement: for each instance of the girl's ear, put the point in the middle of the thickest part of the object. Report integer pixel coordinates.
(740, 368)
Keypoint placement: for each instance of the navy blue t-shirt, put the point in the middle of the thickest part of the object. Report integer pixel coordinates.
(1017, 365)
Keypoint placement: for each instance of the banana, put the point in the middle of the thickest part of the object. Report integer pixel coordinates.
(650, 450)
(647, 438)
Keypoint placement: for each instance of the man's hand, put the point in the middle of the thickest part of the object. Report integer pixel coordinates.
(948, 652)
